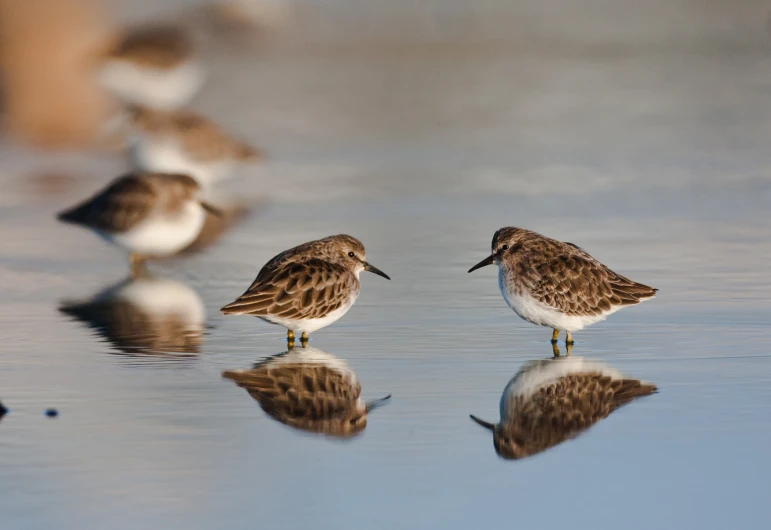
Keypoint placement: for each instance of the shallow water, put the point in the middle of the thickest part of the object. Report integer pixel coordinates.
(150, 434)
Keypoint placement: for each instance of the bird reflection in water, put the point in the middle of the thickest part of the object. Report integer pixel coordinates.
(554, 400)
(146, 315)
(310, 390)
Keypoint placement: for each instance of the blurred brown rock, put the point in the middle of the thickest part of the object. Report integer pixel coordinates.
(51, 98)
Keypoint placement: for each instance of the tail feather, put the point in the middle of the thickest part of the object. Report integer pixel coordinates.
(632, 292)
(630, 389)
(248, 306)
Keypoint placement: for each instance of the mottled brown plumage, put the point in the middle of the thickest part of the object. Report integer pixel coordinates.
(309, 289)
(306, 283)
(130, 199)
(551, 401)
(564, 276)
(157, 46)
(200, 139)
(309, 390)
(134, 326)
(545, 281)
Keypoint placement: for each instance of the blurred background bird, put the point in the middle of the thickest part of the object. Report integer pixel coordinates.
(147, 214)
(148, 315)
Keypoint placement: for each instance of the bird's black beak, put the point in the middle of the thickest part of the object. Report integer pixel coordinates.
(489, 260)
(375, 270)
(372, 405)
(483, 423)
(216, 212)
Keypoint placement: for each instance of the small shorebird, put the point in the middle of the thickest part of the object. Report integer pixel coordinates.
(147, 214)
(147, 315)
(182, 141)
(307, 287)
(556, 284)
(244, 17)
(310, 390)
(554, 400)
(152, 65)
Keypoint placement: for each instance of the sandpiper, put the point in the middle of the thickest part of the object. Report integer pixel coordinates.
(145, 316)
(556, 284)
(307, 287)
(153, 65)
(147, 214)
(310, 390)
(182, 141)
(554, 400)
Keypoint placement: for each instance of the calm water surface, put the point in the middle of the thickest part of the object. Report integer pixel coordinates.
(150, 435)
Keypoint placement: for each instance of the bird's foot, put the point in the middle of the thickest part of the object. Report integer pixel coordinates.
(138, 266)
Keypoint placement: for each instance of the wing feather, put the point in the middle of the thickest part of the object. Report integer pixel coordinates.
(307, 396)
(118, 208)
(566, 407)
(297, 290)
(577, 284)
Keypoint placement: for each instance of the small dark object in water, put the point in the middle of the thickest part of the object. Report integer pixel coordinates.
(3, 410)
(52, 413)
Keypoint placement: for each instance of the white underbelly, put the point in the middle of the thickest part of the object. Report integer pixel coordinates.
(155, 88)
(165, 155)
(310, 325)
(162, 297)
(534, 375)
(162, 236)
(538, 313)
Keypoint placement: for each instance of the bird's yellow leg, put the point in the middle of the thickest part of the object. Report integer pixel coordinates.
(289, 334)
(554, 336)
(555, 350)
(304, 336)
(568, 338)
(138, 265)
(568, 347)
(304, 342)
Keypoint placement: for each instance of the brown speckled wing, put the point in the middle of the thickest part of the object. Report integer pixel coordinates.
(126, 202)
(562, 410)
(297, 290)
(575, 283)
(307, 396)
(202, 139)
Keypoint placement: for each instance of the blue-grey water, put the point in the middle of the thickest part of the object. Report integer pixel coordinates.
(650, 153)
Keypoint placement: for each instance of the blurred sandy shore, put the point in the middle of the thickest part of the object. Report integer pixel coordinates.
(360, 99)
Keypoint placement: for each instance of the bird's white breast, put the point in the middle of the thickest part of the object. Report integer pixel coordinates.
(538, 374)
(161, 297)
(165, 154)
(541, 314)
(163, 89)
(309, 325)
(311, 355)
(162, 234)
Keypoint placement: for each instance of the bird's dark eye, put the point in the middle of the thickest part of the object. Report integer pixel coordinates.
(505, 247)
(351, 255)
